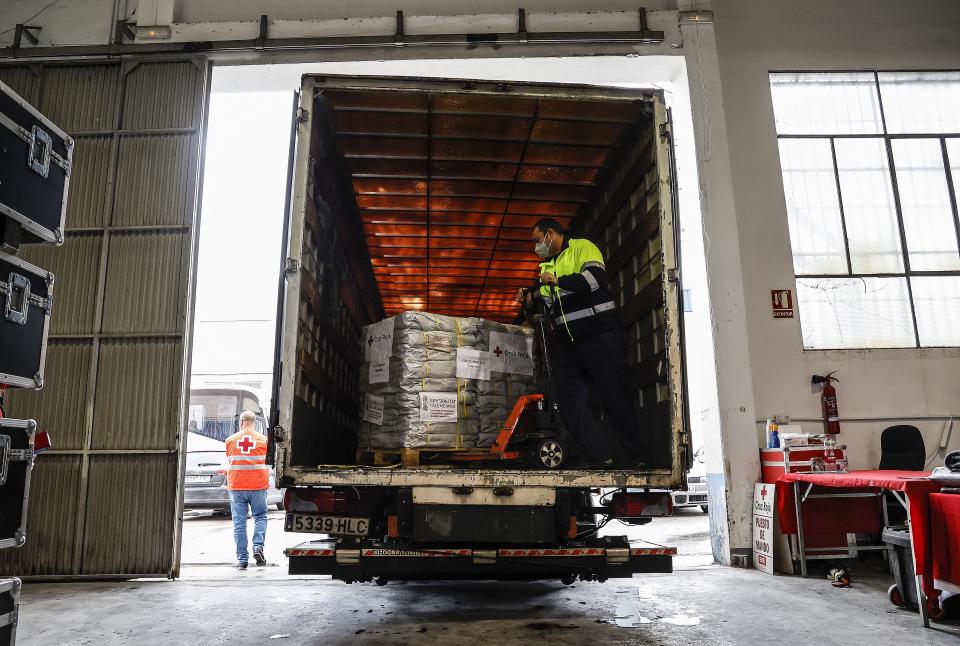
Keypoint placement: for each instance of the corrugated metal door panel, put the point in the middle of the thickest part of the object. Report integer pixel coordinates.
(81, 98)
(163, 95)
(51, 519)
(146, 287)
(68, 366)
(89, 193)
(137, 380)
(155, 175)
(25, 80)
(125, 534)
(115, 399)
(75, 265)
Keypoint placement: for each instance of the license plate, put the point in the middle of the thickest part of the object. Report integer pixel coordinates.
(196, 479)
(336, 525)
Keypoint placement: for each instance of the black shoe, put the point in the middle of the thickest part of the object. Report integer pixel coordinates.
(241, 565)
(258, 555)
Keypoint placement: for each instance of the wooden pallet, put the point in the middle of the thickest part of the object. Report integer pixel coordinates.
(407, 457)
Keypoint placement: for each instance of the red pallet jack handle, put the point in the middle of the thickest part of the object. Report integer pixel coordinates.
(498, 450)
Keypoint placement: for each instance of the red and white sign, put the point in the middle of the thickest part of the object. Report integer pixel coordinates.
(782, 302)
(764, 496)
(247, 444)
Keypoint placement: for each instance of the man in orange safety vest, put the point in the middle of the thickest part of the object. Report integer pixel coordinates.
(247, 481)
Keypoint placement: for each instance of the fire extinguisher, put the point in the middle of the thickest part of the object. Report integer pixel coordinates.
(828, 403)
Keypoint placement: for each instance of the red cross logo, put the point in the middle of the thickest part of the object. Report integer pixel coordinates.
(246, 444)
(498, 352)
(763, 492)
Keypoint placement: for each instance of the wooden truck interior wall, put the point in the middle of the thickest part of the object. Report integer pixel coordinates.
(425, 201)
(625, 225)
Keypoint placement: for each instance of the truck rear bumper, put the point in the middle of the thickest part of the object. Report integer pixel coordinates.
(594, 561)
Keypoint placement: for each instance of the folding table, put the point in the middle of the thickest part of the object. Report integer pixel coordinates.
(911, 488)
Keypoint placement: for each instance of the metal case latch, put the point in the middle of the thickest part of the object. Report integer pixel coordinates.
(38, 156)
(18, 299)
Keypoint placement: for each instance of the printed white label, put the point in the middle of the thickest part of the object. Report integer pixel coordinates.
(373, 409)
(763, 529)
(438, 407)
(377, 349)
(511, 353)
(473, 364)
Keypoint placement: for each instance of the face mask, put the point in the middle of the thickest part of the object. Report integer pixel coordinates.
(542, 249)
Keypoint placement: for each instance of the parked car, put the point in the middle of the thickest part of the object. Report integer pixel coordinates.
(695, 495)
(214, 416)
(205, 476)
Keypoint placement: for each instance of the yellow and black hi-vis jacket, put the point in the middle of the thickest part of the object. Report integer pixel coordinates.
(580, 303)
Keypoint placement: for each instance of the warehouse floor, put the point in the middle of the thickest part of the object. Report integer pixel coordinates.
(699, 603)
(707, 605)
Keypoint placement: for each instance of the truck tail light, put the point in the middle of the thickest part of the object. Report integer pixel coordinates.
(316, 501)
(641, 505)
(572, 528)
(392, 529)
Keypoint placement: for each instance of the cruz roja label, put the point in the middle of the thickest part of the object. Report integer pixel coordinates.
(511, 353)
(764, 496)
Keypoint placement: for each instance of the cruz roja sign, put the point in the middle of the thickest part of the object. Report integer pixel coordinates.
(764, 496)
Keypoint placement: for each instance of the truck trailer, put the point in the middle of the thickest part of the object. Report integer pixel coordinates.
(420, 194)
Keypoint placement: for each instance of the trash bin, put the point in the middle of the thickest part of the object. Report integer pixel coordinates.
(904, 592)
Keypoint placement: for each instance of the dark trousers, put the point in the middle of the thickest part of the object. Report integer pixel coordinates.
(600, 362)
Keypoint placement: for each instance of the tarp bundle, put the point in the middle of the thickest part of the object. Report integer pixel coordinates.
(433, 381)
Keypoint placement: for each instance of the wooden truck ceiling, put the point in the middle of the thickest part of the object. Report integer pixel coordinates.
(448, 187)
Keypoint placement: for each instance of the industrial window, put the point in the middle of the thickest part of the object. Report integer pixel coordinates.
(871, 163)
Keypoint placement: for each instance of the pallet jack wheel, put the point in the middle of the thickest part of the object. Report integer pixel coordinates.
(896, 598)
(547, 454)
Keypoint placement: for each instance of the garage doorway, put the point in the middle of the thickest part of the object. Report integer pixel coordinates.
(240, 247)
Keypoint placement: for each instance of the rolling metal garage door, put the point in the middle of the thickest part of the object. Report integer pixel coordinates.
(105, 501)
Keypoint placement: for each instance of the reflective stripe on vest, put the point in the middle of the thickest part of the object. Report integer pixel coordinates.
(246, 456)
(584, 313)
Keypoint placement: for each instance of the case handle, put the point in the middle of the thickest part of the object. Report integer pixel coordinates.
(18, 299)
(4, 458)
(38, 156)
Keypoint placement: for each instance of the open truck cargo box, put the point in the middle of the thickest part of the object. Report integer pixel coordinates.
(418, 194)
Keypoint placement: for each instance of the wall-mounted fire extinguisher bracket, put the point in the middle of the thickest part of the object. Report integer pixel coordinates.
(828, 403)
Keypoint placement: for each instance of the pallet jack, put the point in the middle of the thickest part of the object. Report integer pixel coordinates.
(531, 434)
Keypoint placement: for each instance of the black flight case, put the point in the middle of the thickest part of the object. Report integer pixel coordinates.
(26, 300)
(16, 466)
(35, 158)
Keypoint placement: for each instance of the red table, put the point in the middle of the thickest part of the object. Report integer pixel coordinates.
(945, 537)
(914, 485)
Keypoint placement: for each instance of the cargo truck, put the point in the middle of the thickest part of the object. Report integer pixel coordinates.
(420, 194)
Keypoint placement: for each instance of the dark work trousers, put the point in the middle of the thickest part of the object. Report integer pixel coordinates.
(600, 362)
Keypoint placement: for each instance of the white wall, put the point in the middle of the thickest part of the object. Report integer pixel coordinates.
(753, 38)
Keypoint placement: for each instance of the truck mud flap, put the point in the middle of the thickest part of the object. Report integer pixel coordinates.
(383, 563)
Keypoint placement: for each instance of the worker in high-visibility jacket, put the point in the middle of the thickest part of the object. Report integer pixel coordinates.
(248, 480)
(588, 348)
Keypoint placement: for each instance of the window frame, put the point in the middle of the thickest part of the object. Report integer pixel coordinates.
(887, 138)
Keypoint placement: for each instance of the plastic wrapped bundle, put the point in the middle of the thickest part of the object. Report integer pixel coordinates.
(494, 405)
(497, 396)
(410, 394)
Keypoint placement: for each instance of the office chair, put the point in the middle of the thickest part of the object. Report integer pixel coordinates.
(901, 449)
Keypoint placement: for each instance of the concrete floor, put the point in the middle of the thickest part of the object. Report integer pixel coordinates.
(698, 604)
